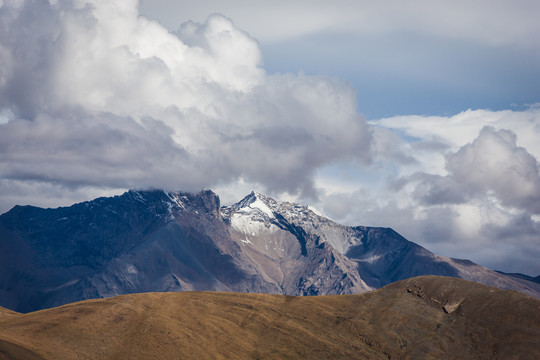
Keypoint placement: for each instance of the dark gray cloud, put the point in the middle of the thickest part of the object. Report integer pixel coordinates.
(79, 149)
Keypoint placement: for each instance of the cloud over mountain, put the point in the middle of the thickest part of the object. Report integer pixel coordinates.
(95, 95)
(459, 185)
(95, 99)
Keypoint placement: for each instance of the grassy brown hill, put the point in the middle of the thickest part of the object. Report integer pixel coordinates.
(427, 317)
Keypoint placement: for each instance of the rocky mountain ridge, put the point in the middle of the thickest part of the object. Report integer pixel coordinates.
(158, 241)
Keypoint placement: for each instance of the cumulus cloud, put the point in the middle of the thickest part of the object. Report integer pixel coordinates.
(93, 94)
(471, 192)
(490, 166)
(493, 163)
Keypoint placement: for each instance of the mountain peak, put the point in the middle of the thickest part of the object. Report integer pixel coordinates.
(157, 240)
(256, 204)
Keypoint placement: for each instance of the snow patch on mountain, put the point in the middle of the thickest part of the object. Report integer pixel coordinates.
(178, 200)
(318, 212)
(257, 204)
(254, 203)
(251, 216)
(249, 225)
(369, 259)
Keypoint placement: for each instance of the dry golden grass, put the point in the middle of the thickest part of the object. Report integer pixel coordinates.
(403, 320)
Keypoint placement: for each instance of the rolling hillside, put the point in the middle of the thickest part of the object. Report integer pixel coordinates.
(420, 318)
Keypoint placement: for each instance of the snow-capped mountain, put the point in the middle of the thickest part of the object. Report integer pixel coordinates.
(379, 256)
(157, 241)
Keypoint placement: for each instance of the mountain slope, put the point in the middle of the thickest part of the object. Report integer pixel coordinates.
(157, 241)
(535, 279)
(420, 318)
(380, 256)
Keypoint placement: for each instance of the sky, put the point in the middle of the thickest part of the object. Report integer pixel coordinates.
(423, 116)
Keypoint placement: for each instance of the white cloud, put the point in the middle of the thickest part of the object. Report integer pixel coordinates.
(473, 185)
(413, 57)
(102, 97)
(493, 163)
(462, 128)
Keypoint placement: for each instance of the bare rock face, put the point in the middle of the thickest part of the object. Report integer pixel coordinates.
(156, 241)
(294, 255)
